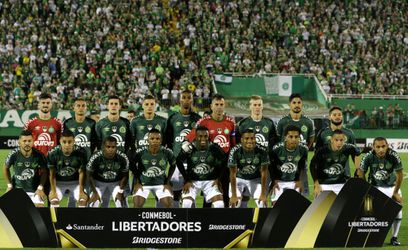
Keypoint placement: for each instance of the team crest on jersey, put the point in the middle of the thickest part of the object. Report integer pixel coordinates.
(154, 161)
(122, 129)
(265, 129)
(290, 157)
(257, 128)
(87, 129)
(51, 130)
(149, 127)
(202, 158)
(186, 123)
(256, 161)
(44, 128)
(114, 129)
(304, 128)
(219, 130)
(80, 129)
(158, 127)
(162, 162)
(226, 131)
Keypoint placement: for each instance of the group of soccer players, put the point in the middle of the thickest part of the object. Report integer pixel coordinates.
(184, 155)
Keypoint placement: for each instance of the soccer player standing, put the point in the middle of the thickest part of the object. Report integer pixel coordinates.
(384, 168)
(83, 127)
(306, 126)
(29, 169)
(45, 129)
(66, 164)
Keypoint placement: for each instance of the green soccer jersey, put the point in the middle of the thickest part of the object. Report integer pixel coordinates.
(248, 164)
(265, 130)
(304, 123)
(178, 127)
(120, 130)
(26, 169)
(382, 170)
(85, 134)
(151, 169)
(140, 128)
(325, 134)
(108, 170)
(287, 164)
(203, 165)
(329, 165)
(67, 166)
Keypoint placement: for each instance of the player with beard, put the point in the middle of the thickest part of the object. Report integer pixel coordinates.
(329, 162)
(149, 167)
(204, 166)
(29, 169)
(107, 174)
(179, 125)
(296, 117)
(83, 127)
(114, 125)
(45, 129)
(222, 132)
(385, 172)
(66, 164)
(288, 160)
(248, 164)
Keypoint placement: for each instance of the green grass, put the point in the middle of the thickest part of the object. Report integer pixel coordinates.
(403, 234)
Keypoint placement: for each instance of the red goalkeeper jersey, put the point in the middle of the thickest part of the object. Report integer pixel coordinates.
(46, 133)
(221, 132)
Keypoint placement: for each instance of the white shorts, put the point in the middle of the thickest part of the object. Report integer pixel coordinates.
(250, 188)
(106, 191)
(209, 189)
(388, 191)
(283, 185)
(157, 190)
(36, 199)
(177, 180)
(332, 187)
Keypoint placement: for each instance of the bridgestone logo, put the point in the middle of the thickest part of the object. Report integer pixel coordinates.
(44, 139)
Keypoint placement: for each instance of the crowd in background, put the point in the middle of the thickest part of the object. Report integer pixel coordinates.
(93, 49)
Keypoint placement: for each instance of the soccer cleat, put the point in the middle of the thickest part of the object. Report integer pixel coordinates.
(394, 241)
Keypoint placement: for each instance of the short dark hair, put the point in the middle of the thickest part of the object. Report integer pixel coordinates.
(110, 139)
(79, 99)
(217, 97)
(295, 95)
(25, 133)
(248, 130)
(115, 97)
(380, 138)
(201, 128)
(186, 91)
(149, 97)
(45, 96)
(154, 131)
(67, 133)
(334, 108)
(338, 132)
(131, 111)
(291, 127)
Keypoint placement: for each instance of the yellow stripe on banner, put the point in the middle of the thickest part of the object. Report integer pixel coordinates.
(8, 237)
(307, 229)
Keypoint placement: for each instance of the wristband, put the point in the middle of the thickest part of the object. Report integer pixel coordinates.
(9, 185)
(40, 187)
(121, 191)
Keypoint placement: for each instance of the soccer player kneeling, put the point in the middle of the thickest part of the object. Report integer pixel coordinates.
(385, 172)
(204, 164)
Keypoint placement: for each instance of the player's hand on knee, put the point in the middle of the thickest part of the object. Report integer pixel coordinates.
(397, 197)
(186, 187)
(119, 197)
(137, 186)
(233, 201)
(95, 197)
(168, 187)
(41, 193)
(299, 186)
(317, 190)
(83, 197)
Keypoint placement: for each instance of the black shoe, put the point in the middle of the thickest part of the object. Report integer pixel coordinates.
(394, 241)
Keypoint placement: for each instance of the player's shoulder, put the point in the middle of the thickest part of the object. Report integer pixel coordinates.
(31, 121)
(284, 119)
(391, 153)
(96, 155)
(260, 149)
(278, 146)
(121, 154)
(37, 153)
(215, 147)
(90, 120)
(69, 120)
(55, 150)
(307, 118)
(79, 151)
(13, 152)
(141, 150)
(124, 120)
(204, 119)
(229, 118)
(236, 149)
(159, 118)
(244, 120)
(166, 150)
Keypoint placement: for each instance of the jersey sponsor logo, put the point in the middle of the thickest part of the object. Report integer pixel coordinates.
(221, 141)
(118, 137)
(381, 175)
(182, 135)
(67, 171)
(203, 169)
(44, 139)
(260, 140)
(26, 174)
(304, 128)
(153, 172)
(288, 168)
(144, 141)
(82, 141)
(109, 175)
(334, 170)
(248, 169)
